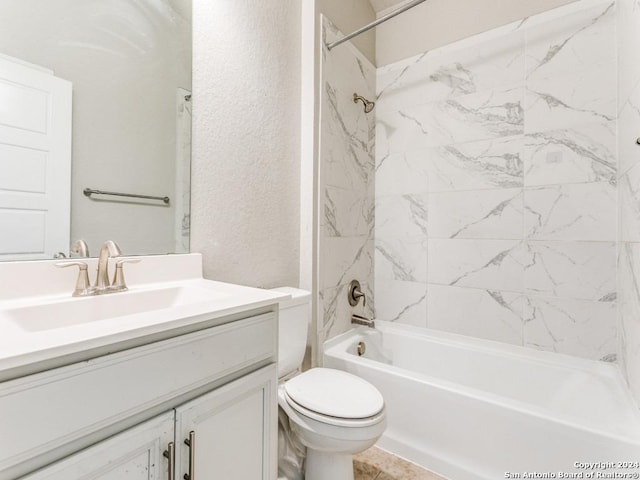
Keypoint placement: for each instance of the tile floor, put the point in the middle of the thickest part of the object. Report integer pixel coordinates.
(376, 464)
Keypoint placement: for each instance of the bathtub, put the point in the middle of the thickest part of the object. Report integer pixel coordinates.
(475, 409)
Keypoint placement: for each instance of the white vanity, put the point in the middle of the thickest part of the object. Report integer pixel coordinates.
(173, 379)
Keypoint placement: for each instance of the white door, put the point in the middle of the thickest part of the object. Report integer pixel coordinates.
(35, 161)
(135, 454)
(232, 431)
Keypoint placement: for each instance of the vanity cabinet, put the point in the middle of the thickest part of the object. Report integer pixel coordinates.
(136, 454)
(225, 434)
(113, 417)
(232, 431)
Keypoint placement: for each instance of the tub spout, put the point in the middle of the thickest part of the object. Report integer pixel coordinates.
(360, 320)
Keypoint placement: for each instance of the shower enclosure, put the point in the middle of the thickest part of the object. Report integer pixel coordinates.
(493, 191)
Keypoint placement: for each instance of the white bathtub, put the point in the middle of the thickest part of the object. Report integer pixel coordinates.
(475, 409)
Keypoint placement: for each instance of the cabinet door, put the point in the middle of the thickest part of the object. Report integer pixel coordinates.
(233, 431)
(135, 454)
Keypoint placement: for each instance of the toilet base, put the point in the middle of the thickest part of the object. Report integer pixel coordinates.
(328, 466)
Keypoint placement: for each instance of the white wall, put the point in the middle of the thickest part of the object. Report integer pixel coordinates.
(246, 140)
(126, 60)
(439, 22)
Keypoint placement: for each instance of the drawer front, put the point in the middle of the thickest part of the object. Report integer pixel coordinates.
(42, 412)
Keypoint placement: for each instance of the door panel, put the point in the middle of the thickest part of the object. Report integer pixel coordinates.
(234, 430)
(35, 161)
(136, 454)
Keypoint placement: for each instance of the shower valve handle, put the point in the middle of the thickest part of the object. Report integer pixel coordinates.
(355, 294)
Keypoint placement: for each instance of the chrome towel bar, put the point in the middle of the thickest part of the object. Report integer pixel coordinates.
(90, 191)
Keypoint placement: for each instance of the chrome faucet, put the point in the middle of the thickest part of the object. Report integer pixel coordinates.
(360, 320)
(109, 249)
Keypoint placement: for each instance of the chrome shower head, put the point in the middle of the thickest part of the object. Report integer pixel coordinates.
(368, 106)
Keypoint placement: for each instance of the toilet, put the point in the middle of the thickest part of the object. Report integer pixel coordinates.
(334, 414)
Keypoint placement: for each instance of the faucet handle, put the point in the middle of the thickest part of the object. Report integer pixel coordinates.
(355, 294)
(118, 277)
(83, 286)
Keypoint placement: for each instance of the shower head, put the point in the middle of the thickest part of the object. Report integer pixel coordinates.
(368, 106)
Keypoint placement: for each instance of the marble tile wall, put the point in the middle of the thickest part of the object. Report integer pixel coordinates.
(346, 186)
(628, 25)
(495, 184)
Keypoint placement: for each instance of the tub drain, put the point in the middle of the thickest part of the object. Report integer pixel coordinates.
(361, 348)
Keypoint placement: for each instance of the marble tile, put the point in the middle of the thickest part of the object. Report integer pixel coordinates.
(476, 214)
(478, 116)
(628, 36)
(329, 306)
(402, 259)
(486, 264)
(452, 72)
(573, 327)
(401, 302)
(346, 173)
(398, 84)
(571, 212)
(335, 311)
(487, 164)
(512, 136)
(571, 270)
(487, 314)
(401, 216)
(629, 196)
(565, 100)
(346, 153)
(581, 39)
(389, 467)
(580, 154)
(345, 258)
(487, 64)
(629, 131)
(347, 64)
(400, 174)
(629, 305)
(347, 213)
(629, 205)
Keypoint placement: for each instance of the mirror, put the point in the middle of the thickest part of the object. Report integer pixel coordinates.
(126, 118)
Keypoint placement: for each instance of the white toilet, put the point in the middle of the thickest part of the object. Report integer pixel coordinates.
(333, 413)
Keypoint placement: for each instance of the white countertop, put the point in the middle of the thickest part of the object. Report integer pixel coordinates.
(28, 350)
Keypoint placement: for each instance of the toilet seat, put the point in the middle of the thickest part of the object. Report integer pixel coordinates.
(334, 396)
(332, 421)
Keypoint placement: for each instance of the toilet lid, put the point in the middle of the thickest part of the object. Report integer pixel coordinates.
(335, 393)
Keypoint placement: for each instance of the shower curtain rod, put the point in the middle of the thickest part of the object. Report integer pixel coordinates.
(375, 23)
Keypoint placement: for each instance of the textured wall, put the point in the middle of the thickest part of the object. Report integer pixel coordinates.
(496, 185)
(629, 190)
(246, 140)
(346, 185)
(436, 23)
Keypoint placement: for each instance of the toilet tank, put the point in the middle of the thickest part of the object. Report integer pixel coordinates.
(293, 325)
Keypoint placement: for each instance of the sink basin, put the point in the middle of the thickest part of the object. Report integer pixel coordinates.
(74, 311)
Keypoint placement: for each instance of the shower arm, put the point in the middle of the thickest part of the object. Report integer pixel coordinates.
(375, 23)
